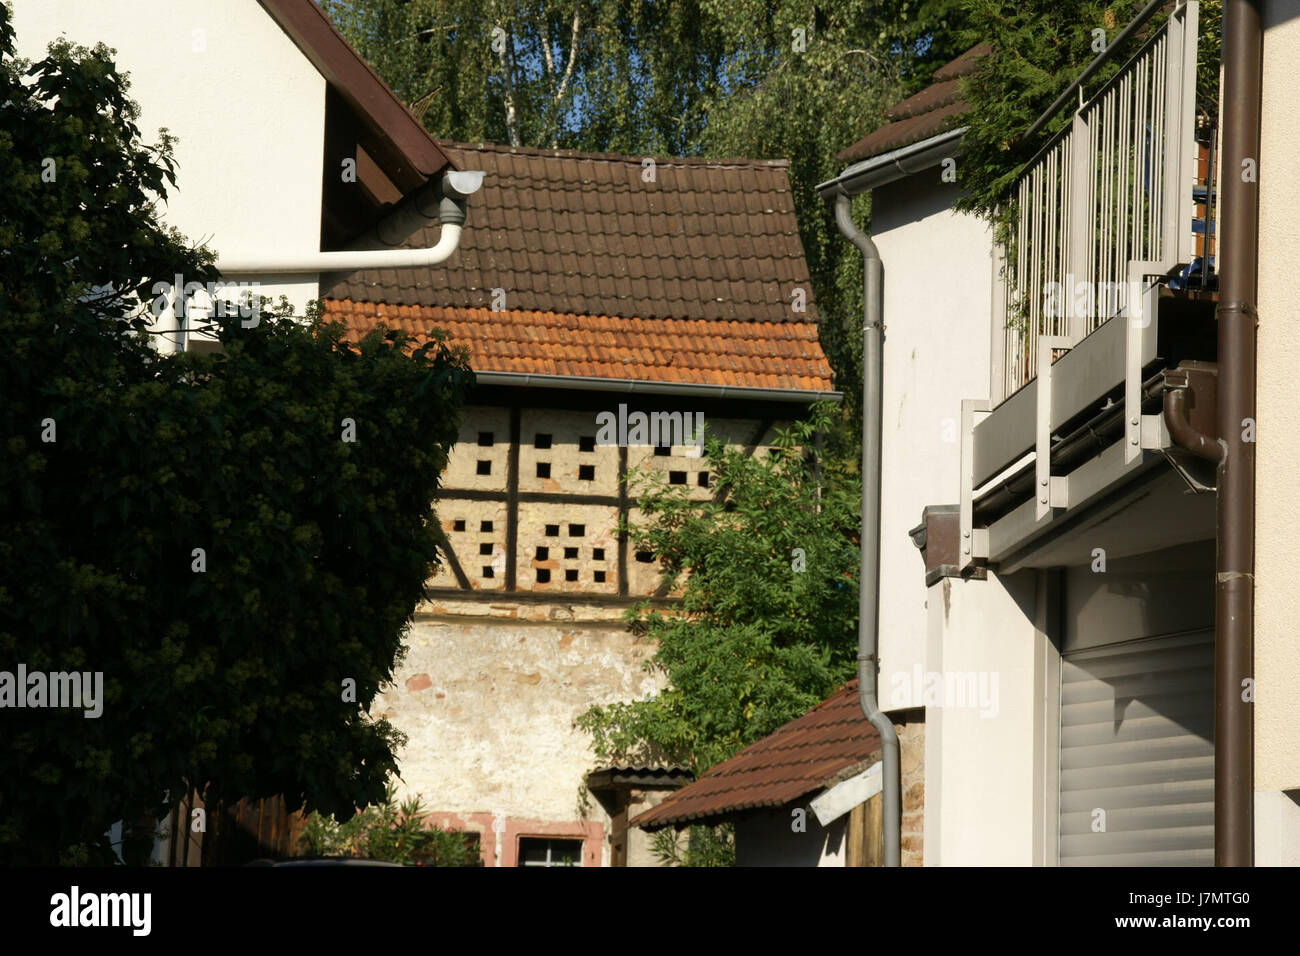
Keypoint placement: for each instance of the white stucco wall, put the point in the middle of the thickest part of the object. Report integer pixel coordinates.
(247, 108)
(938, 286)
(980, 790)
(1277, 498)
(489, 705)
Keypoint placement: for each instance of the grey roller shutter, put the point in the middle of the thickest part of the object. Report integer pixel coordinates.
(1137, 742)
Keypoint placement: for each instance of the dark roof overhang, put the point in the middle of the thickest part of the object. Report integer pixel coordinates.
(364, 121)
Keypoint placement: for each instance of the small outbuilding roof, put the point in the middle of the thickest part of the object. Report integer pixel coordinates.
(830, 743)
(934, 110)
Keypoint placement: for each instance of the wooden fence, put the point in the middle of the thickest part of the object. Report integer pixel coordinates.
(232, 834)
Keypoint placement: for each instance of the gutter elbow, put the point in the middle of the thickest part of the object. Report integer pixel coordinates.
(850, 230)
(1182, 432)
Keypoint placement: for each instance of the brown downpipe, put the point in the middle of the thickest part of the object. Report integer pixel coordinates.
(1234, 732)
(1182, 432)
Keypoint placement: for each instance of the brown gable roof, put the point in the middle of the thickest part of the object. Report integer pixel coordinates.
(826, 745)
(584, 234)
(687, 279)
(928, 113)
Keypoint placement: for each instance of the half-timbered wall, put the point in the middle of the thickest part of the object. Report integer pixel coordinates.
(523, 628)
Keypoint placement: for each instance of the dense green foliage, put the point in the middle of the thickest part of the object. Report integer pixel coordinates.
(697, 846)
(766, 624)
(119, 462)
(715, 78)
(1038, 48)
(390, 831)
(767, 621)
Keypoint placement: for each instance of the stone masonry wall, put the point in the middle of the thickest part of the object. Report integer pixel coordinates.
(910, 726)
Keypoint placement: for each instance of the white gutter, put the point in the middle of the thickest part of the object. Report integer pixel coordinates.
(867, 175)
(455, 187)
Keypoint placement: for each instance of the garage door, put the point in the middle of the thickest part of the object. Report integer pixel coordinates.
(1137, 753)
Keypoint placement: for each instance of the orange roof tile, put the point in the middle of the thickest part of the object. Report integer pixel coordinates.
(776, 355)
(812, 752)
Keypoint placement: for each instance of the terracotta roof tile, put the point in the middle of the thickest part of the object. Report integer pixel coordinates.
(808, 754)
(743, 354)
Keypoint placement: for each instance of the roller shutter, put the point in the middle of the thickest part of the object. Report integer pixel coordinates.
(1137, 744)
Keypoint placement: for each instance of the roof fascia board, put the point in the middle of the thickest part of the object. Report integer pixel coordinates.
(529, 380)
(843, 797)
(878, 170)
(359, 85)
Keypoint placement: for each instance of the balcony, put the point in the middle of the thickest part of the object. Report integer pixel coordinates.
(1106, 285)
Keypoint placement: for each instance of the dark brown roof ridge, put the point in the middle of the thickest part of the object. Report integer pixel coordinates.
(731, 162)
(928, 99)
(359, 85)
(963, 65)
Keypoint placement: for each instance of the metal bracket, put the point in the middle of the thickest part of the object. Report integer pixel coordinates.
(1048, 494)
(974, 542)
(1138, 322)
(1155, 433)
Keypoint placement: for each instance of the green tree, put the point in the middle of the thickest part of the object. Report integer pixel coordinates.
(1039, 47)
(766, 626)
(193, 527)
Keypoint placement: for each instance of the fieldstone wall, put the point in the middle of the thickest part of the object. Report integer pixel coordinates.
(489, 701)
(910, 726)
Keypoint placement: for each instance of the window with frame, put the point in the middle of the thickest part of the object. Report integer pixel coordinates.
(545, 851)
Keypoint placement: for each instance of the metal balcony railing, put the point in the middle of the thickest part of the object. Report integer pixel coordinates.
(1105, 208)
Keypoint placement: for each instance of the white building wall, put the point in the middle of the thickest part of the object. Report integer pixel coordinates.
(980, 759)
(247, 107)
(1277, 498)
(937, 290)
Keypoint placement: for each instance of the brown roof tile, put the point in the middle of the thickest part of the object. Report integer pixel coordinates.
(809, 753)
(717, 238)
(925, 114)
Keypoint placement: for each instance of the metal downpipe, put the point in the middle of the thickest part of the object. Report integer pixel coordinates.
(1234, 738)
(869, 579)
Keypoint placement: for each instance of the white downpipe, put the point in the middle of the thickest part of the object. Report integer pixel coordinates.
(448, 241)
(454, 188)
